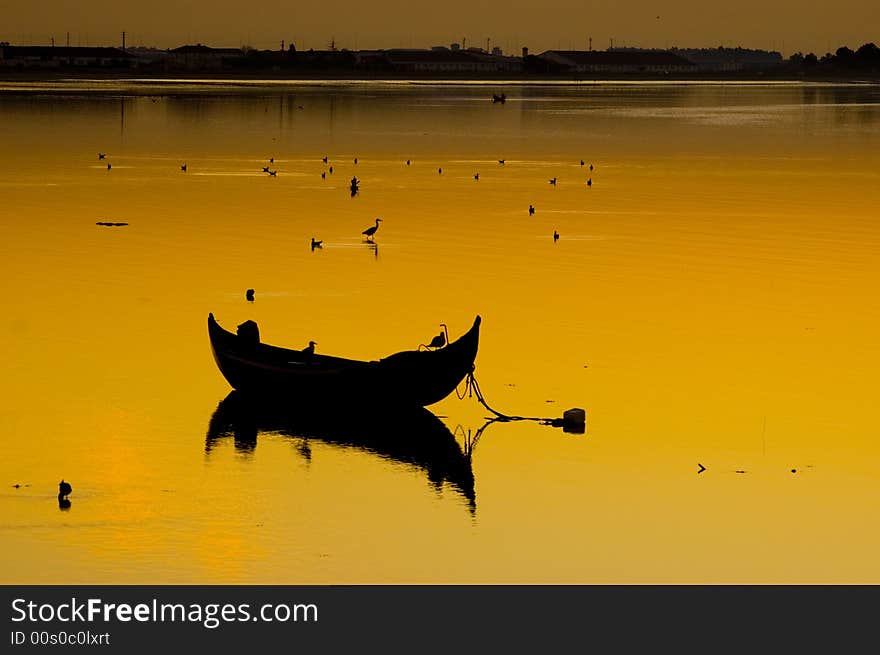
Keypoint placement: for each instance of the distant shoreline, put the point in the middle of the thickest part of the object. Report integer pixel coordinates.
(254, 78)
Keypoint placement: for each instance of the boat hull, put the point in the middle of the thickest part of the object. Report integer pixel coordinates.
(418, 378)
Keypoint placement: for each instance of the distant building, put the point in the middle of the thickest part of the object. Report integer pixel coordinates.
(13, 56)
(440, 59)
(611, 61)
(730, 59)
(202, 57)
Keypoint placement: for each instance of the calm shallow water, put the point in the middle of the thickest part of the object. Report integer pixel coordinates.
(712, 299)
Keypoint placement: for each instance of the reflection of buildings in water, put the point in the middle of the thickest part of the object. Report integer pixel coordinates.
(411, 436)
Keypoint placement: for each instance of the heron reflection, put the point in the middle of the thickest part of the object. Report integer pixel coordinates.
(412, 436)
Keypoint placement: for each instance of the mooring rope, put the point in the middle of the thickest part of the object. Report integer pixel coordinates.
(472, 387)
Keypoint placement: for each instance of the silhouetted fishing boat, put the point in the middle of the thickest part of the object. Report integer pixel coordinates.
(411, 435)
(410, 377)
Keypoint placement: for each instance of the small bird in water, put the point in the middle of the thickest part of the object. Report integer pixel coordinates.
(183, 168)
(476, 176)
(501, 161)
(439, 171)
(555, 236)
(323, 175)
(265, 169)
(407, 162)
(273, 173)
(64, 489)
(271, 160)
(590, 182)
(531, 210)
(316, 243)
(331, 170)
(249, 294)
(324, 159)
(108, 166)
(370, 231)
(591, 167)
(310, 349)
(553, 181)
(101, 155)
(355, 161)
(582, 162)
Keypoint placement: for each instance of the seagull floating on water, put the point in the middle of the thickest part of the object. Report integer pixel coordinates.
(590, 182)
(531, 210)
(183, 168)
(553, 181)
(64, 489)
(324, 159)
(476, 176)
(249, 294)
(101, 155)
(501, 161)
(273, 173)
(316, 243)
(555, 236)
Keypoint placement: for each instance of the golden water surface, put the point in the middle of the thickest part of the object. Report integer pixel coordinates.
(712, 300)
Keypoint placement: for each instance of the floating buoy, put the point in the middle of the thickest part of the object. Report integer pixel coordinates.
(574, 420)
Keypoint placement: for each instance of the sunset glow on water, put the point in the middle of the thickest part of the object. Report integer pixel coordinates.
(712, 299)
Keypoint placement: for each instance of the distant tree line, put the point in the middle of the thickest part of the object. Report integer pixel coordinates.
(865, 59)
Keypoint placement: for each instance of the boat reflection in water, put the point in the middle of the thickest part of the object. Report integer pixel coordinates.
(411, 436)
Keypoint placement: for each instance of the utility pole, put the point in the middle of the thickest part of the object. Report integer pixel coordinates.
(68, 39)
(123, 42)
(590, 48)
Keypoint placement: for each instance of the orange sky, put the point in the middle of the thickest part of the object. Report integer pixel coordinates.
(786, 25)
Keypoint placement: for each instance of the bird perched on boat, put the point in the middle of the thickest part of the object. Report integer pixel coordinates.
(555, 236)
(590, 182)
(370, 231)
(183, 168)
(324, 159)
(64, 489)
(310, 349)
(101, 155)
(316, 243)
(440, 340)
(553, 181)
(249, 294)
(476, 176)
(531, 210)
